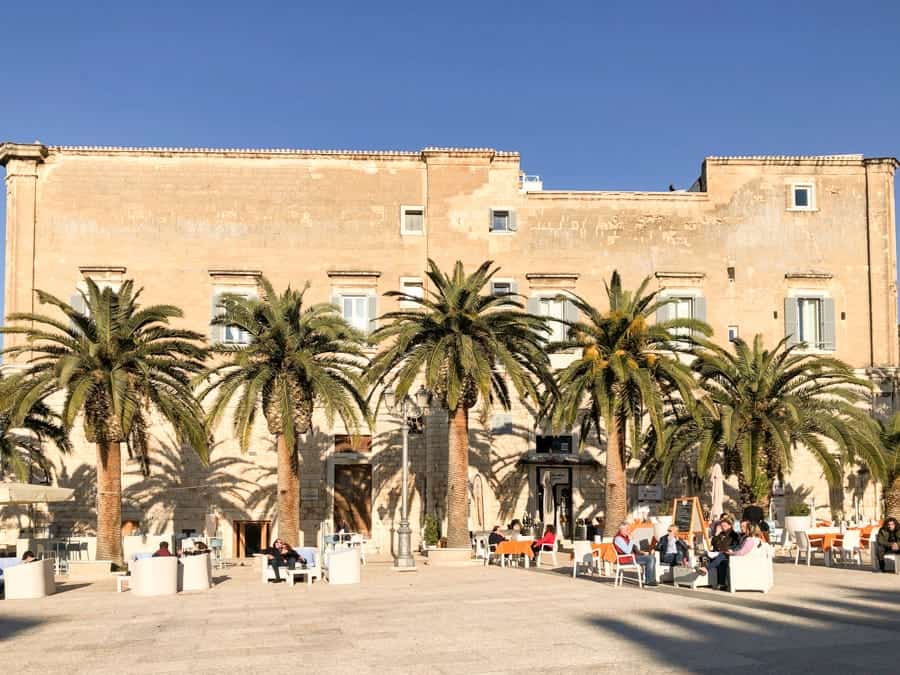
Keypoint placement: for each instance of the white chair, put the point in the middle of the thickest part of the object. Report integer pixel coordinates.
(482, 548)
(195, 572)
(890, 559)
(583, 556)
(804, 547)
(154, 576)
(628, 563)
(752, 572)
(30, 580)
(550, 549)
(343, 567)
(665, 573)
(850, 548)
(357, 541)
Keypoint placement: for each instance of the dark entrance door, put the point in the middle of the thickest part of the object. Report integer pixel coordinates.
(353, 496)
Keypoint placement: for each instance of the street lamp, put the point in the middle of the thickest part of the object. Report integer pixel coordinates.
(408, 410)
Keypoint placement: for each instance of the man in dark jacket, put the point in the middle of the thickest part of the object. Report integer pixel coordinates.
(888, 541)
(672, 550)
(723, 541)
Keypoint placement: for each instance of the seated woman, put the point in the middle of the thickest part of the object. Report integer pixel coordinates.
(753, 538)
(888, 541)
(672, 550)
(549, 539)
(290, 556)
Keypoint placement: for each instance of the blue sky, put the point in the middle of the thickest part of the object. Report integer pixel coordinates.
(601, 95)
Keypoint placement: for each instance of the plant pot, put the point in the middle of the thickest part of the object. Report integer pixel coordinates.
(449, 556)
(795, 523)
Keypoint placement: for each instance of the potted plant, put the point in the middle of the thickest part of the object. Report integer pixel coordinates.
(431, 534)
(797, 518)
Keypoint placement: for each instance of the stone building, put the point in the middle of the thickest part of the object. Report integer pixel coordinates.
(769, 244)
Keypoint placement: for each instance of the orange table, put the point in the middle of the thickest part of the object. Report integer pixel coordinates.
(515, 548)
(606, 552)
(826, 541)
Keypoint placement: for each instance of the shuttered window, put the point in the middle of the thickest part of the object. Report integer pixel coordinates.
(227, 334)
(810, 319)
(503, 287)
(412, 220)
(502, 220)
(360, 310)
(682, 306)
(560, 311)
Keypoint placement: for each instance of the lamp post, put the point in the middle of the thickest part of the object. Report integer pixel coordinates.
(408, 410)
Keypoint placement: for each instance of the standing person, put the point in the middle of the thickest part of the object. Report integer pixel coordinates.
(549, 539)
(629, 552)
(888, 541)
(672, 550)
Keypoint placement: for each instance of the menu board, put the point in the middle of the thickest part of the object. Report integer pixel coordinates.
(684, 511)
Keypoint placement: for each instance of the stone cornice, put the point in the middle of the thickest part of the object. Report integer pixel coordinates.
(230, 272)
(679, 275)
(353, 274)
(790, 160)
(809, 275)
(27, 151)
(601, 195)
(552, 276)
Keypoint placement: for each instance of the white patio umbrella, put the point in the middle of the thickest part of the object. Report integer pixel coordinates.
(718, 492)
(25, 493)
(549, 516)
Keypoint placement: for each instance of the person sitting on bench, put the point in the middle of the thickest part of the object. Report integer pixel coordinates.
(672, 550)
(888, 541)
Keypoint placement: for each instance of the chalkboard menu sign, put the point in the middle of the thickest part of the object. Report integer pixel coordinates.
(683, 515)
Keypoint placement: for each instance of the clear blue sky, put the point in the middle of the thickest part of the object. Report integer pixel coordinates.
(603, 95)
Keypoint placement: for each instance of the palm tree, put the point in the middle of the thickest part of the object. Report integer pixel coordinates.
(297, 357)
(21, 448)
(889, 442)
(119, 365)
(466, 343)
(759, 405)
(628, 364)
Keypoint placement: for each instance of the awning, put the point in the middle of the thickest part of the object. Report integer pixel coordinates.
(557, 459)
(26, 493)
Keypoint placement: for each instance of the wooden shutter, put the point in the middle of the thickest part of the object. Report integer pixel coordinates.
(373, 312)
(490, 220)
(534, 306)
(511, 221)
(216, 333)
(792, 320)
(664, 313)
(513, 286)
(828, 324)
(700, 308)
(336, 301)
(570, 311)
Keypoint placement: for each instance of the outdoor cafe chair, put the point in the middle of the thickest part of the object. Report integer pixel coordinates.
(849, 548)
(583, 556)
(628, 563)
(805, 547)
(548, 549)
(357, 541)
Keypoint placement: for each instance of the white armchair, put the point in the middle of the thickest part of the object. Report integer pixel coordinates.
(752, 572)
(891, 564)
(195, 573)
(30, 580)
(666, 573)
(154, 576)
(583, 556)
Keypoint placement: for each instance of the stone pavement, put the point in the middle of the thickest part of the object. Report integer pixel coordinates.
(468, 619)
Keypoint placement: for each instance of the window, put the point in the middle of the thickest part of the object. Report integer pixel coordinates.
(355, 309)
(685, 304)
(411, 286)
(681, 308)
(229, 335)
(809, 319)
(554, 308)
(802, 197)
(733, 333)
(503, 287)
(502, 423)
(502, 220)
(412, 220)
(554, 444)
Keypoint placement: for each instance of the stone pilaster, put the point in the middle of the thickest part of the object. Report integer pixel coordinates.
(882, 260)
(21, 162)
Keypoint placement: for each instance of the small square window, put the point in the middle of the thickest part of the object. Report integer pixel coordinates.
(802, 197)
(733, 333)
(501, 287)
(500, 221)
(412, 220)
(411, 286)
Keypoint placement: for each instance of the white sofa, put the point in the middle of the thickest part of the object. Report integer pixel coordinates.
(752, 572)
(343, 567)
(29, 580)
(891, 564)
(679, 575)
(154, 576)
(313, 569)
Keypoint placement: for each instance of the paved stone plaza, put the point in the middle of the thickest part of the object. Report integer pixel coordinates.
(462, 619)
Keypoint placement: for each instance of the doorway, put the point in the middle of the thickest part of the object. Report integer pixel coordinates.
(251, 536)
(353, 497)
(559, 482)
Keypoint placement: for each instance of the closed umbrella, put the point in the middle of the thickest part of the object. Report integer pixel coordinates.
(718, 492)
(548, 500)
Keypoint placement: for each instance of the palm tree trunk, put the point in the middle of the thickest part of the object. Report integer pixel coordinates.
(616, 485)
(109, 502)
(288, 493)
(892, 499)
(458, 479)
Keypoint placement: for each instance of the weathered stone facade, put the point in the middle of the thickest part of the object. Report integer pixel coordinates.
(188, 223)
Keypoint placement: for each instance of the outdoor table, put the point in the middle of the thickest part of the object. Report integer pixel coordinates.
(505, 548)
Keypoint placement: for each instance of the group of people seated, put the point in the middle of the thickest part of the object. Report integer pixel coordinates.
(515, 527)
(724, 544)
(281, 554)
(163, 551)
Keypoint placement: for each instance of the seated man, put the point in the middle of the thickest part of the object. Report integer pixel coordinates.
(290, 556)
(672, 550)
(723, 542)
(274, 558)
(28, 557)
(629, 552)
(495, 537)
(163, 550)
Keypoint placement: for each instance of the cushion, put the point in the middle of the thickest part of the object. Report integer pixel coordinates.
(308, 554)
